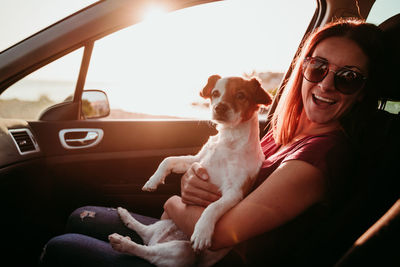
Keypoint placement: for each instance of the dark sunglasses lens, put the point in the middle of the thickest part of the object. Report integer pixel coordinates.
(315, 70)
(348, 81)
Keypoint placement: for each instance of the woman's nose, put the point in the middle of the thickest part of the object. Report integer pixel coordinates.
(328, 83)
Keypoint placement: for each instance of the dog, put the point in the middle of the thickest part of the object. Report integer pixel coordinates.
(232, 159)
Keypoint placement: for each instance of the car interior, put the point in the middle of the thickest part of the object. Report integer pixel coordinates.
(73, 156)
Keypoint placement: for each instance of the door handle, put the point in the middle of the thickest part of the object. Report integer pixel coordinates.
(79, 138)
(90, 137)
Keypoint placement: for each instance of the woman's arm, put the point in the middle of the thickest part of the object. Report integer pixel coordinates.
(289, 190)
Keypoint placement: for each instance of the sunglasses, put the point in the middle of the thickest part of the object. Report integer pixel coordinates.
(347, 81)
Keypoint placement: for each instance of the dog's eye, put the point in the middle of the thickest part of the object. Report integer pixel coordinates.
(240, 96)
(215, 94)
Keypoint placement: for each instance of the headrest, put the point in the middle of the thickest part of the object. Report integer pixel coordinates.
(391, 29)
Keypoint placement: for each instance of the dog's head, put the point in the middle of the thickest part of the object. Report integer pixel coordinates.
(234, 99)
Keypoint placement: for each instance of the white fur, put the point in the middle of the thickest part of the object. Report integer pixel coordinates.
(231, 157)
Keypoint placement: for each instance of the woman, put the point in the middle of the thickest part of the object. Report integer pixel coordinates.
(325, 103)
(308, 152)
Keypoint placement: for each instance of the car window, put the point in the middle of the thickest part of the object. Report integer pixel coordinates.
(157, 68)
(381, 11)
(29, 17)
(49, 85)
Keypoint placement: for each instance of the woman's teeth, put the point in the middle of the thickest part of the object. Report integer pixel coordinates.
(323, 99)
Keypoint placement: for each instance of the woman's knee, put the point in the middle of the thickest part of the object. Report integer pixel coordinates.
(80, 214)
(82, 250)
(99, 222)
(59, 248)
(84, 218)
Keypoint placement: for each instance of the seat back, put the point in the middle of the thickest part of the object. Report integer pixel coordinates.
(391, 28)
(379, 167)
(377, 173)
(384, 134)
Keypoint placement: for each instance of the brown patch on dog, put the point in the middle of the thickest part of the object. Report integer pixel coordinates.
(261, 96)
(245, 96)
(212, 80)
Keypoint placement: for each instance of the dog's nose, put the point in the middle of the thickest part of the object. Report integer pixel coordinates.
(221, 108)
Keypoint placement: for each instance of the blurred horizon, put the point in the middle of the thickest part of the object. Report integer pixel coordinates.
(30, 107)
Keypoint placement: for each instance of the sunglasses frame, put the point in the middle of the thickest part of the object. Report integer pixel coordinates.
(306, 62)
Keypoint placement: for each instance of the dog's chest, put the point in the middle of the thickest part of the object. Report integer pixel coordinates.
(229, 164)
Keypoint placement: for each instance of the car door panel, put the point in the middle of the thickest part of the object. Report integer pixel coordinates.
(114, 171)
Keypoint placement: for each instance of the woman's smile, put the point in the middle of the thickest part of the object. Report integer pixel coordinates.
(323, 101)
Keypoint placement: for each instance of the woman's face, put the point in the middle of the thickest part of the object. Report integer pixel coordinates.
(323, 103)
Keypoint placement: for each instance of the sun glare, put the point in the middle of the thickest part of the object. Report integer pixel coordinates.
(154, 13)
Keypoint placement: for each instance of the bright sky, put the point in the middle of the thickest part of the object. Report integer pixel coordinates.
(22, 18)
(176, 54)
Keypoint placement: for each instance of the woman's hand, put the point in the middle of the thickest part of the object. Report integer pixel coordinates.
(196, 189)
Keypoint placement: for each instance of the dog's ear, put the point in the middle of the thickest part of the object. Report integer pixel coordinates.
(261, 96)
(212, 80)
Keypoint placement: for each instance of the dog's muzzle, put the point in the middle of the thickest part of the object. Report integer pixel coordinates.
(221, 111)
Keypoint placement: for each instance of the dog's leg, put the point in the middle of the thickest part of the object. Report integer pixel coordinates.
(160, 231)
(171, 164)
(173, 253)
(204, 228)
(130, 222)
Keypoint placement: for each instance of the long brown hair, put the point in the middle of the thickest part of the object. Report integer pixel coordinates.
(369, 38)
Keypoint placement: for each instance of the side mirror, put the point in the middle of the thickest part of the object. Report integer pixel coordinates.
(94, 104)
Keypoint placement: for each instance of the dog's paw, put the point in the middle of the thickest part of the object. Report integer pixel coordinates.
(151, 185)
(119, 243)
(157, 178)
(123, 212)
(124, 215)
(201, 238)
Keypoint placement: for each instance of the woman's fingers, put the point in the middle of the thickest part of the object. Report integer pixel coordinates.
(198, 196)
(200, 171)
(196, 189)
(203, 179)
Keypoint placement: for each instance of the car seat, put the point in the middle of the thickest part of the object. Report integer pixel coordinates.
(378, 246)
(377, 176)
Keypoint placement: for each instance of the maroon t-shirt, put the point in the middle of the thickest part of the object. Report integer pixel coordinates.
(329, 152)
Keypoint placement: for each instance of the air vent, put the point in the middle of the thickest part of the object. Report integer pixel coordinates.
(24, 140)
